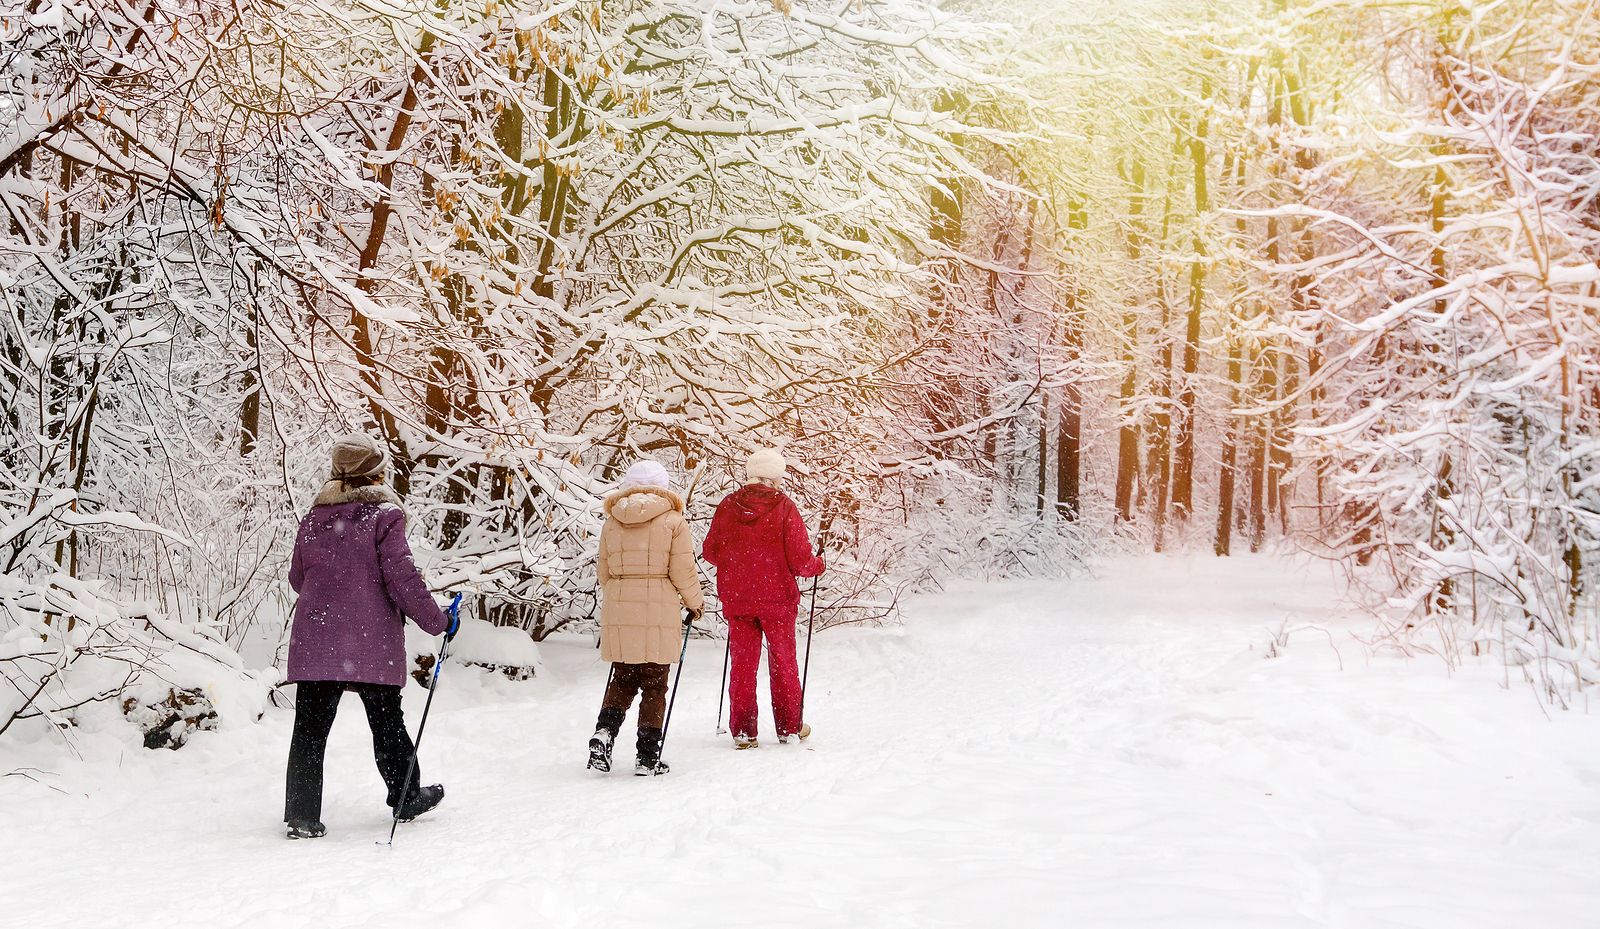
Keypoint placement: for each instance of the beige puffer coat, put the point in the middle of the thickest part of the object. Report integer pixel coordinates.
(647, 576)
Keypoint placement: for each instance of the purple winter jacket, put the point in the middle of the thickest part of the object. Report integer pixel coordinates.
(357, 582)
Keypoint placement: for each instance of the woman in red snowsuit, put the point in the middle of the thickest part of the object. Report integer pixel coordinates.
(758, 544)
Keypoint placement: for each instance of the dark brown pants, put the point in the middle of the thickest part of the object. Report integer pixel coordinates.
(630, 679)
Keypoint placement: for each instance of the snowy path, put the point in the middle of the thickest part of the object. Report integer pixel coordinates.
(1109, 752)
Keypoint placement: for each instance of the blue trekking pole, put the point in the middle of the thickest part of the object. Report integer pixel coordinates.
(454, 612)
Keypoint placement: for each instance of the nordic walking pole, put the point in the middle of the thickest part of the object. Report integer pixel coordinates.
(805, 674)
(611, 672)
(666, 723)
(811, 620)
(727, 649)
(454, 613)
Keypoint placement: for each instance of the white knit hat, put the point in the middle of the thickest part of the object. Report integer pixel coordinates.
(765, 463)
(645, 473)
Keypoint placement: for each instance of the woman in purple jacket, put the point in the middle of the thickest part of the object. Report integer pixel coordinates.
(357, 583)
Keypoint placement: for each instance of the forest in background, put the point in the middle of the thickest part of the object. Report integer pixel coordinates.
(1014, 286)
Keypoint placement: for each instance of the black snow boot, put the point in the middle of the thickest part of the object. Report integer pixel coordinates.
(648, 753)
(605, 736)
(425, 799)
(307, 829)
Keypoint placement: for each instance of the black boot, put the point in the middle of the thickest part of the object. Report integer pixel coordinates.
(307, 829)
(605, 736)
(648, 758)
(423, 800)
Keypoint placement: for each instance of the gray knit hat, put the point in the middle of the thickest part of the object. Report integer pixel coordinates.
(357, 456)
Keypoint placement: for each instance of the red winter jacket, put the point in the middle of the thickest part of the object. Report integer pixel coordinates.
(759, 545)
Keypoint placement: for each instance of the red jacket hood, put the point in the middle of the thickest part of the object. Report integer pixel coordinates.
(748, 504)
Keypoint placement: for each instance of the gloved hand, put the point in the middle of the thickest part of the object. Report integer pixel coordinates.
(692, 616)
(453, 611)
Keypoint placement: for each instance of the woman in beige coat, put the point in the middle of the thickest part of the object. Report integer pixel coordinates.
(647, 579)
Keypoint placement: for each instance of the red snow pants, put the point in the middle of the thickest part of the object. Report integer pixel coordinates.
(744, 651)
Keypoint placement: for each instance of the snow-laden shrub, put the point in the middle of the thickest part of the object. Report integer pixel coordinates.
(1462, 367)
(168, 722)
(69, 641)
(506, 650)
(85, 648)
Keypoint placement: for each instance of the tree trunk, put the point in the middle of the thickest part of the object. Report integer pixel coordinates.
(1069, 455)
(377, 229)
(946, 220)
(1069, 423)
(250, 408)
(1044, 455)
(1233, 170)
(1183, 470)
(1230, 459)
(1128, 425)
(1159, 468)
(1261, 440)
(1069, 416)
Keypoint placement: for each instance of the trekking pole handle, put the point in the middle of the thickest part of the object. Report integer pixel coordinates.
(453, 614)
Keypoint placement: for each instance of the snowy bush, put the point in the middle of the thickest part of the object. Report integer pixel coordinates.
(506, 650)
(68, 639)
(1459, 405)
(959, 533)
(171, 678)
(169, 722)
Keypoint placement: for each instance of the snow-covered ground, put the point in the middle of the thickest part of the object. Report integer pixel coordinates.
(1113, 751)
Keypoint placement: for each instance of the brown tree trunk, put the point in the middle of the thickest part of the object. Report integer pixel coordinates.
(1069, 455)
(1159, 468)
(382, 209)
(1128, 425)
(1443, 534)
(1183, 469)
(1300, 289)
(946, 221)
(1069, 416)
(1223, 542)
(1261, 439)
(1233, 171)
(1069, 428)
(1282, 420)
(250, 408)
(1044, 455)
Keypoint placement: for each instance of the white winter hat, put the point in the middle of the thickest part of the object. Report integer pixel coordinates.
(765, 463)
(645, 473)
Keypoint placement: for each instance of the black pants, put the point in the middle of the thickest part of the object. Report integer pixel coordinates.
(316, 703)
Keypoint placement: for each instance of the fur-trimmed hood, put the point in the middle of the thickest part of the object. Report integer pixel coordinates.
(334, 493)
(636, 505)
